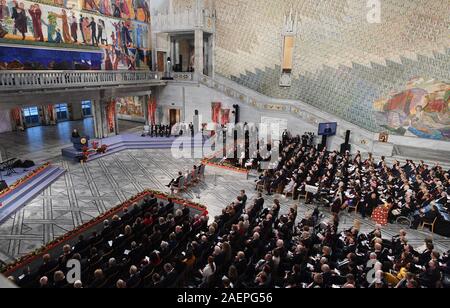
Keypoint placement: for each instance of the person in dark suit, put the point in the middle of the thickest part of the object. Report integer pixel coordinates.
(75, 134)
(48, 264)
(175, 182)
(170, 276)
(99, 279)
(81, 244)
(134, 278)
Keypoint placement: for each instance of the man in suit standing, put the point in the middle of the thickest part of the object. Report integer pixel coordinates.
(81, 21)
(93, 26)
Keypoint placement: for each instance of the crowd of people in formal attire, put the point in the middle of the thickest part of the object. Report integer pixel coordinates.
(250, 245)
(341, 181)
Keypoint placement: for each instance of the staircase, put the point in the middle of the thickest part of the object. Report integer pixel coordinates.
(28, 191)
(133, 142)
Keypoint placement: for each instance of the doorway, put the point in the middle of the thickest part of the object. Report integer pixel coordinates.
(174, 116)
(161, 63)
(62, 112)
(31, 115)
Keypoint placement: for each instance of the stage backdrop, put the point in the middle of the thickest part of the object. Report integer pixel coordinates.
(123, 42)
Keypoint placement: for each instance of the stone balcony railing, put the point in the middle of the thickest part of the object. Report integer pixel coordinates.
(183, 21)
(179, 76)
(22, 81)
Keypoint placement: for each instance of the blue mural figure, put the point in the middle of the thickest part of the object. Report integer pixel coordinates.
(51, 27)
(58, 38)
(139, 36)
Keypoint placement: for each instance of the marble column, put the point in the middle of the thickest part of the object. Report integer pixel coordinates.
(146, 98)
(99, 112)
(77, 112)
(199, 52)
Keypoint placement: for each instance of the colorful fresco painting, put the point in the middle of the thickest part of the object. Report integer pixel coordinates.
(130, 106)
(124, 43)
(420, 110)
(127, 9)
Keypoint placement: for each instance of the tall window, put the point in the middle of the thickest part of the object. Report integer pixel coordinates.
(62, 113)
(288, 54)
(31, 115)
(86, 106)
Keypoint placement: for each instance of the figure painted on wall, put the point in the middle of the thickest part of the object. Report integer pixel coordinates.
(123, 8)
(74, 28)
(87, 31)
(105, 7)
(51, 27)
(116, 11)
(20, 18)
(58, 38)
(36, 16)
(421, 110)
(65, 26)
(142, 5)
(4, 10)
(80, 24)
(91, 5)
(93, 27)
(125, 36)
(108, 61)
(101, 38)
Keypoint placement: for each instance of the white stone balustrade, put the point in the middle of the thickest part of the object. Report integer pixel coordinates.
(35, 80)
(183, 21)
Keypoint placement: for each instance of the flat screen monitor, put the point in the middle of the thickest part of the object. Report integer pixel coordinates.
(327, 129)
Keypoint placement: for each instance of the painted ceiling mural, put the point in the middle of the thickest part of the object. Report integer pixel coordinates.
(342, 63)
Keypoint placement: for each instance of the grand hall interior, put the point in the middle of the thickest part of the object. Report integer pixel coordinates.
(232, 144)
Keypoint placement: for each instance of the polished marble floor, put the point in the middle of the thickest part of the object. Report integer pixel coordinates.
(86, 191)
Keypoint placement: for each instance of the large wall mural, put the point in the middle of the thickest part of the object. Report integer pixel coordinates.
(131, 106)
(421, 109)
(123, 41)
(128, 9)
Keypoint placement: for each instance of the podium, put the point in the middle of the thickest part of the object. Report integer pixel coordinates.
(80, 143)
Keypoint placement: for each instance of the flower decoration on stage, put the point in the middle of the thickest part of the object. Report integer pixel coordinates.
(38, 253)
(23, 180)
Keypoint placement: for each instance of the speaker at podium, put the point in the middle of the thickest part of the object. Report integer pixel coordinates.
(80, 142)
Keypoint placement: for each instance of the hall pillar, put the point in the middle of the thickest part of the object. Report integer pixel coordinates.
(198, 65)
(105, 117)
(146, 98)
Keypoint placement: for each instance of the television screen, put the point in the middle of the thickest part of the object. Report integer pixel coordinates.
(327, 129)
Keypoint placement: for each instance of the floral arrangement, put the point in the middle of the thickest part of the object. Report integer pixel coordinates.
(23, 180)
(224, 165)
(38, 253)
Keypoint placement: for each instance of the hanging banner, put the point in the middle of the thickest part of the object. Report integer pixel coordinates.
(225, 116)
(111, 116)
(16, 115)
(51, 115)
(152, 110)
(215, 115)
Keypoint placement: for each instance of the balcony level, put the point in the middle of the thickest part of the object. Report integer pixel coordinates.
(22, 86)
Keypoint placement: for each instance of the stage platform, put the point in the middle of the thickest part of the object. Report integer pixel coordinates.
(28, 183)
(130, 142)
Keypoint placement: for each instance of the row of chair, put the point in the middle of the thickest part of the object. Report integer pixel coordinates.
(190, 179)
